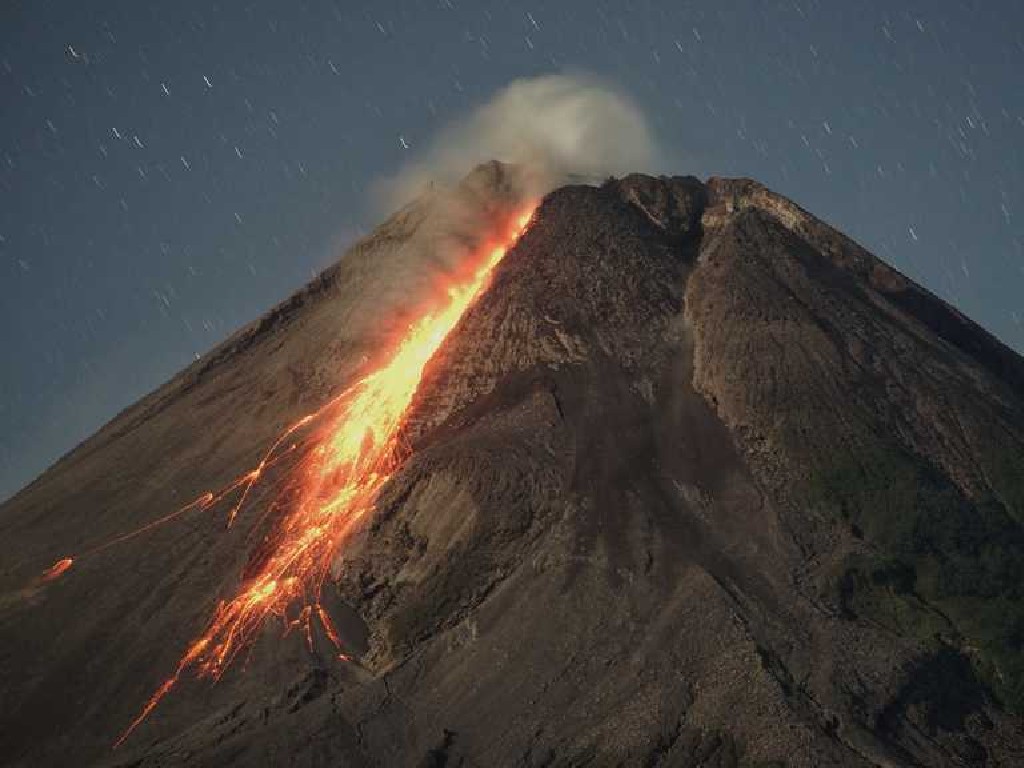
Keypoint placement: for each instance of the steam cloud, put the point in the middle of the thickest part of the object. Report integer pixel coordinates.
(552, 127)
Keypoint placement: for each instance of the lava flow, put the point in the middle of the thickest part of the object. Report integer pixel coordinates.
(332, 486)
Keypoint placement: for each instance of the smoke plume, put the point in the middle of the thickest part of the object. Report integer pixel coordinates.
(552, 128)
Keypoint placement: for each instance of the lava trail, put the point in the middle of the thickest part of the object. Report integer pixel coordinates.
(331, 488)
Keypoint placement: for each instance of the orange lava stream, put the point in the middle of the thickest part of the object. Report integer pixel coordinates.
(57, 569)
(337, 481)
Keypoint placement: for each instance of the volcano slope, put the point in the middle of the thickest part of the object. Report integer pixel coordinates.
(697, 481)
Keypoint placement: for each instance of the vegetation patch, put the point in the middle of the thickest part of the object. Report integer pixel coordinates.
(946, 570)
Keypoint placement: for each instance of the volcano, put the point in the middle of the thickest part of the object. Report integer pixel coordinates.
(688, 478)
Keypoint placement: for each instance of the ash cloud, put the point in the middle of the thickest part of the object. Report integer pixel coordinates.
(552, 128)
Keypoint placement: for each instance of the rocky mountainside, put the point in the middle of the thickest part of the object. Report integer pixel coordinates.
(698, 481)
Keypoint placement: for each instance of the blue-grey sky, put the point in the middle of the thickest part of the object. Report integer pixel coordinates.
(169, 170)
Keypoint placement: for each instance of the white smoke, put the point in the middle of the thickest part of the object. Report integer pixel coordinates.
(552, 127)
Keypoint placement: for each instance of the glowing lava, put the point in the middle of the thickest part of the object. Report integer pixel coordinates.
(58, 568)
(333, 486)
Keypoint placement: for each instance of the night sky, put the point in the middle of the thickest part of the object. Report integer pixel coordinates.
(168, 171)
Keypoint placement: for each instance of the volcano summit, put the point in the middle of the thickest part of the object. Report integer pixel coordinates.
(681, 477)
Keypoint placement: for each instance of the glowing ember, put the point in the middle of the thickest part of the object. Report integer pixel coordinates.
(334, 484)
(55, 570)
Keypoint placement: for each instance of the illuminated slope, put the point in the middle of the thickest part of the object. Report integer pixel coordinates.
(334, 485)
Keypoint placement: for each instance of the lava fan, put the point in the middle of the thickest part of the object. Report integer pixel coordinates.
(350, 455)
